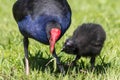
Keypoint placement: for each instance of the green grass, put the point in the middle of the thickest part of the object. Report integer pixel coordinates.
(104, 12)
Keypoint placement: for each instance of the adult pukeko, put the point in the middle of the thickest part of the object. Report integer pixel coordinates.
(87, 41)
(43, 20)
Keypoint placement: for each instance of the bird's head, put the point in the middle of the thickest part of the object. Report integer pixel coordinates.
(53, 33)
(69, 46)
(54, 36)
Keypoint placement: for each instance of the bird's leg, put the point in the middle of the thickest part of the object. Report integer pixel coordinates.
(74, 61)
(58, 62)
(26, 43)
(92, 61)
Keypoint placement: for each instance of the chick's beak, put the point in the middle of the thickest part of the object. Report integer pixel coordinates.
(62, 49)
(54, 36)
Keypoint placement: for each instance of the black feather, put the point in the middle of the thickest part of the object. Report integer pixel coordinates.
(33, 16)
(36, 18)
(87, 41)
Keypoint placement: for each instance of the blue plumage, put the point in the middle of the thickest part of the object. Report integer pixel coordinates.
(43, 20)
(36, 28)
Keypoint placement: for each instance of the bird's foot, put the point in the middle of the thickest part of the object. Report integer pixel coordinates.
(83, 71)
(72, 64)
(49, 62)
(92, 68)
(61, 68)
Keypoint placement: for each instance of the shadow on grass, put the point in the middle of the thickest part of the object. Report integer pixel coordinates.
(38, 63)
(100, 69)
(82, 68)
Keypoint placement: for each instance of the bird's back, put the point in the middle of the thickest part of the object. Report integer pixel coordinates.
(89, 38)
(32, 16)
(39, 7)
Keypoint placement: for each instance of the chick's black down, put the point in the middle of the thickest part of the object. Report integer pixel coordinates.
(87, 41)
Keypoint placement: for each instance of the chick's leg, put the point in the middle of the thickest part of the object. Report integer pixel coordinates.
(92, 61)
(74, 61)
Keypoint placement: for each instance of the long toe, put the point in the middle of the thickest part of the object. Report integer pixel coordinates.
(61, 69)
(72, 64)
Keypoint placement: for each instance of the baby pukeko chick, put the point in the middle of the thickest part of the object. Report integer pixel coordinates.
(87, 41)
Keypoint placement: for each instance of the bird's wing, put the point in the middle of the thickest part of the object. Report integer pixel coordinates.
(20, 9)
(39, 7)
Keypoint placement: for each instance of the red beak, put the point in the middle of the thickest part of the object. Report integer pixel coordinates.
(54, 36)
